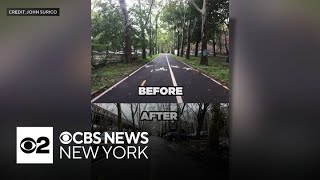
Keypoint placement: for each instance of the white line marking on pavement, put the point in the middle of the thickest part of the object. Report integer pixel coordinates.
(161, 69)
(205, 75)
(151, 70)
(186, 68)
(94, 99)
(174, 82)
(143, 82)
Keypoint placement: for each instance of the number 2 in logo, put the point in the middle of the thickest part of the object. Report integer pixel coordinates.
(34, 145)
(28, 145)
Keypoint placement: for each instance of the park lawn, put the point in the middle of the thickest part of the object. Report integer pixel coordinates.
(105, 77)
(217, 69)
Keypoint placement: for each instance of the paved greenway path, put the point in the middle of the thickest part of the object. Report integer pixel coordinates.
(165, 71)
(165, 161)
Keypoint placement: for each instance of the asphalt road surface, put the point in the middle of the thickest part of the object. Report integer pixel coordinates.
(165, 162)
(166, 71)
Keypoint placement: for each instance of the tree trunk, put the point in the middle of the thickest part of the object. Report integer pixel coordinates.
(214, 49)
(178, 126)
(215, 125)
(133, 119)
(127, 36)
(211, 130)
(182, 44)
(150, 49)
(178, 44)
(188, 49)
(226, 46)
(162, 128)
(204, 41)
(197, 45)
(214, 44)
(144, 53)
(220, 44)
(200, 118)
(188, 40)
(196, 49)
(150, 42)
(119, 117)
(156, 46)
(139, 117)
(200, 124)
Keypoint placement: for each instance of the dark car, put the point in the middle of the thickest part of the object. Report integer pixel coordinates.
(174, 136)
(223, 147)
(203, 135)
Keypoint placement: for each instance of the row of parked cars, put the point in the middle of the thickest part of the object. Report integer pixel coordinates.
(176, 136)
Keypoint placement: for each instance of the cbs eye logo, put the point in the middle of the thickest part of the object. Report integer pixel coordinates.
(34, 145)
(65, 137)
(28, 145)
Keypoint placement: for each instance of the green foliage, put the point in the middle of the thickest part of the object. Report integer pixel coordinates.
(141, 13)
(155, 23)
(218, 69)
(106, 76)
(99, 47)
(107, 26)
(218, 15)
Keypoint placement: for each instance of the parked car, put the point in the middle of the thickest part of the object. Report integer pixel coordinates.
(174, 136)
(203, 135)
(119, 52)
(191, 135)
(223, 147)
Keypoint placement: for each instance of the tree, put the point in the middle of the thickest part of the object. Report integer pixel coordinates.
(143, 17)
(127, 32)
(188, 40)
(133, 113)
(198, 36)
(200, 117)
(179, 114)
(183, 15)
(173, 16)
(192, 22)
(196, 29)
(204, 41)
(226, 42)
(155, 36)
(218, 16)
(107, 27)
(120, 128)
(215, 124)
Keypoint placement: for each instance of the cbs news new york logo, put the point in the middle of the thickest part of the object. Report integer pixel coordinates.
(34, 145)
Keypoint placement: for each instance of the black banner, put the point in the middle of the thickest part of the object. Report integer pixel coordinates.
(33, 11)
